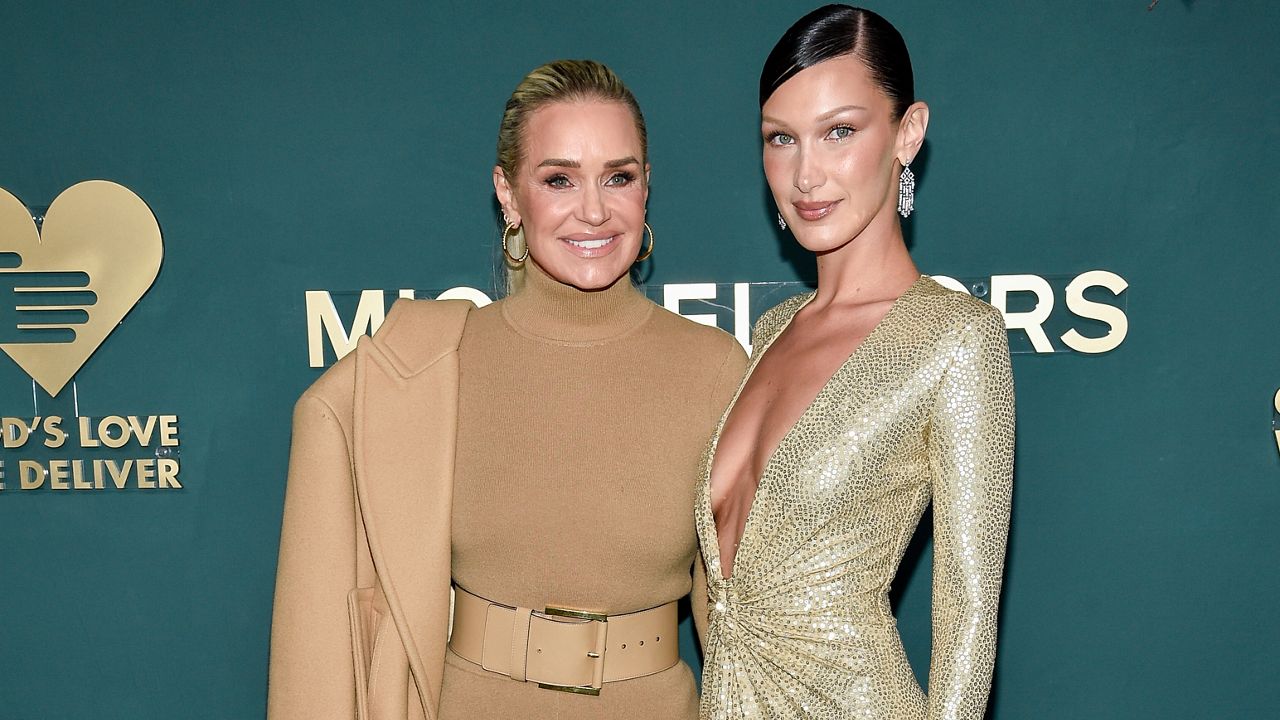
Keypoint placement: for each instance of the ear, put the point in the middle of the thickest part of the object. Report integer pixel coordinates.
(911, 131)
(506, 198)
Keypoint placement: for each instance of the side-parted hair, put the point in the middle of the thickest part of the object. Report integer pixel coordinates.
(834, 31)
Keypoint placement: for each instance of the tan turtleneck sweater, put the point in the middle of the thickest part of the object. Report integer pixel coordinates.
(582, 418)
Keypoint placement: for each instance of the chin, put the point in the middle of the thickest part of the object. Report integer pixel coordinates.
(820, 240)
(588, 277)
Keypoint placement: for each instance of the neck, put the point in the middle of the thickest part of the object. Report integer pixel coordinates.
(551, 310)
(873, 266)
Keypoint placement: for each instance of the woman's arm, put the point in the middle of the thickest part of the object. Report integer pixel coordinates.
(971, 458)
(311, 666)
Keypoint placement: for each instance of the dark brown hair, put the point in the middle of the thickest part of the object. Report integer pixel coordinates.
(834, 31)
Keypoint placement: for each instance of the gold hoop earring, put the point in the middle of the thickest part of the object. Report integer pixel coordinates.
(506, 233)
(645, 255)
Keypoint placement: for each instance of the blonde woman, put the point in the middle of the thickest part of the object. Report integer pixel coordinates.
(538, 454)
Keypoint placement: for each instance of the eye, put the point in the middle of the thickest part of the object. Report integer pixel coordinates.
(840, 132)
(779, 139)
(557, 181)
(621, 179)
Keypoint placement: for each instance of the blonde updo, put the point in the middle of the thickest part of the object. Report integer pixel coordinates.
(557, 81)
(560, 81)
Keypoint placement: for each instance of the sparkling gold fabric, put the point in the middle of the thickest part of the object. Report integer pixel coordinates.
(922, 410)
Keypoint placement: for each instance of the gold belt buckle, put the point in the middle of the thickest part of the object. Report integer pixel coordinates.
(596, 654)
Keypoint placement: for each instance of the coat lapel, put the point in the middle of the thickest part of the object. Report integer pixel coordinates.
(405, 426)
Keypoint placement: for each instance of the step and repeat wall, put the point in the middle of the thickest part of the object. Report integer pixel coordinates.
(216, 200)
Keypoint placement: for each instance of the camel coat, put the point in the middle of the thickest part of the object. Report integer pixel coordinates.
(361, 611)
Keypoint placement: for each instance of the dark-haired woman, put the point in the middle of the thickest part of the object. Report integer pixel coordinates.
(863, 401)
(539, 452)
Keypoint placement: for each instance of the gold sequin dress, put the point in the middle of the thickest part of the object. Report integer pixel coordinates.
(922, 410)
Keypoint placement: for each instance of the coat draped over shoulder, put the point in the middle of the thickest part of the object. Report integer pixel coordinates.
(362, 605)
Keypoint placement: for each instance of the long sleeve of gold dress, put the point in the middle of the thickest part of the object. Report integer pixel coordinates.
(922, 411)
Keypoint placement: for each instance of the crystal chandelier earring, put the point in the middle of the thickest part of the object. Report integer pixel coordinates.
(782, 224)
(906, 190)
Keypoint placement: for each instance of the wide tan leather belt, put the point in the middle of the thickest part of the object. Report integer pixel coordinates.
(563, 649)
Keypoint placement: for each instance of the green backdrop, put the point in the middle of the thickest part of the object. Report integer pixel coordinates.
(288, 146)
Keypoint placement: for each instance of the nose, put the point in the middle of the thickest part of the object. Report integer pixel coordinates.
(809, 174)
(593, 210)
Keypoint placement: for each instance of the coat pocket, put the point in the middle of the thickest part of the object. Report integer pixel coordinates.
(381, 666)
(368, 622)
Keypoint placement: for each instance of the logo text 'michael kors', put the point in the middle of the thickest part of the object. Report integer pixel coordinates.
(708, 303)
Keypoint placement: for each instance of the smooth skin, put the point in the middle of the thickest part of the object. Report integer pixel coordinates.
(579, 192)
(833, 153)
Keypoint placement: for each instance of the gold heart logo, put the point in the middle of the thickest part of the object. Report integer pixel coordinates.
(70, 283)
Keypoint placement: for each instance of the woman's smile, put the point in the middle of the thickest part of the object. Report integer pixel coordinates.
(591, 245)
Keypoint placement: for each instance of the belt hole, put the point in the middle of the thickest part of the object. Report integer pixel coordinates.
(658, 639)
(641, 643)
(624, 646)
(539, 651)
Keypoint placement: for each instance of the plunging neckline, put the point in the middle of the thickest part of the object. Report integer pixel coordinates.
(764, 470)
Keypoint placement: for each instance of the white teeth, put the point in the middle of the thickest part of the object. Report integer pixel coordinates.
(591, 244)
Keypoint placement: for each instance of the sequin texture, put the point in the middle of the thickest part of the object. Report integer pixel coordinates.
(922, 411)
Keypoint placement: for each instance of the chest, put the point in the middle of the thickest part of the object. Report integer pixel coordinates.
(570, 453)
(844, 417)
(784, 382)
(782, 385)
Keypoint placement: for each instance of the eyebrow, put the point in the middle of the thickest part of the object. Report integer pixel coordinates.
(839, 111)
(561, 162)
(823, 117)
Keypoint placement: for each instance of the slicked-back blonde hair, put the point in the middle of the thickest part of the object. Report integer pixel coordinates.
(556, 81)
(560, 81)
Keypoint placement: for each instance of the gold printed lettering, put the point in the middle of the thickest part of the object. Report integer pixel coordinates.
(1032, 321)
(322, 318)
(122, 430)
(97, 474)
(140, 431)
(58, 475)
(674, 293)
(146, 470)
(77, 476)
(742, 315)
(30, 474)
(86, 433)
(15, 432)
(119, 474)
(56, 436)
(1101, 312)
(168, 430)
(167, 472)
